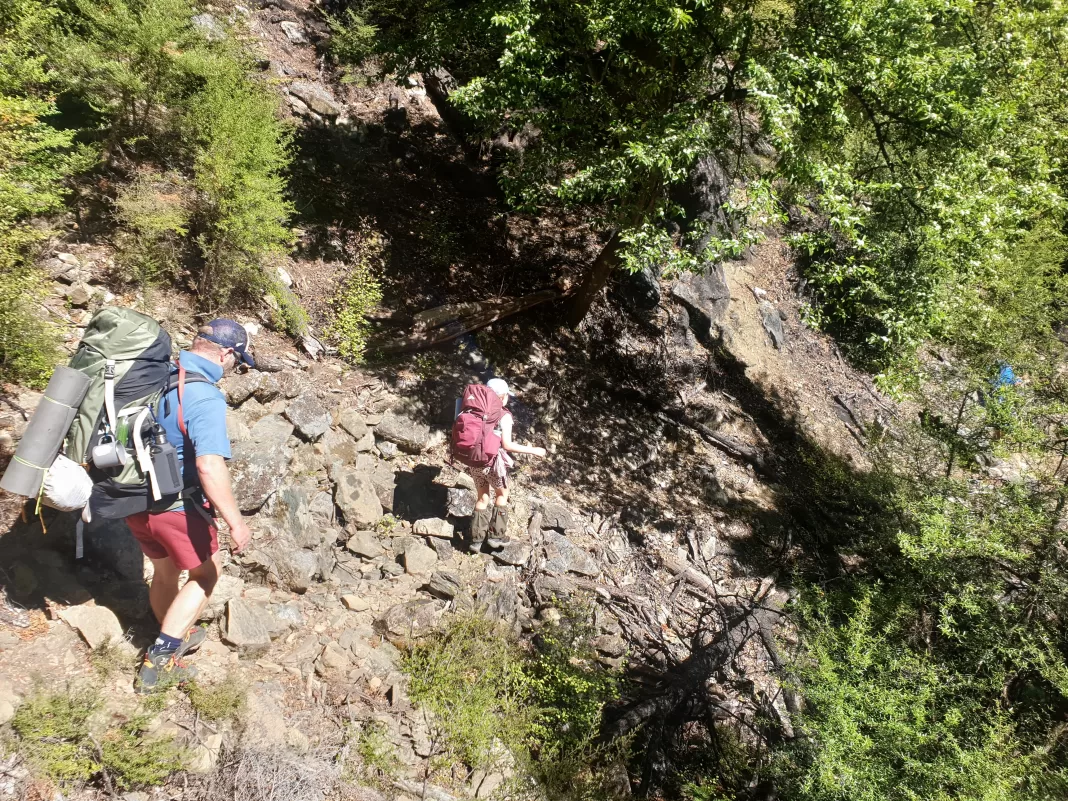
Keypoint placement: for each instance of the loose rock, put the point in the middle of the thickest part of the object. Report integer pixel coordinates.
(356, 497)
(409, 435)
(352, 422)
(445, 584)
(566, 557)
(434, 527)
(461, 502)
(365, 544)
(294, 32)
(418, 558)
(209, 27)
(513, 553)
(248, 626)
(96, 624)
(309, 416)
(316, 97)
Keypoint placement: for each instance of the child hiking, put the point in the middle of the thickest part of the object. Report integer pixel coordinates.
(482, 441)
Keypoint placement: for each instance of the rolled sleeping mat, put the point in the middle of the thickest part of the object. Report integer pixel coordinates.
(44, 435)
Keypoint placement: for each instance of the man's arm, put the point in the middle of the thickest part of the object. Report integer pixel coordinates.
(215, 481)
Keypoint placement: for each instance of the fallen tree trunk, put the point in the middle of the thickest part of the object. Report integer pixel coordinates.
(683, 684)
(444, 323)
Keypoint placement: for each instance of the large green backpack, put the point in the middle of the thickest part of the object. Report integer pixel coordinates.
(127, 357)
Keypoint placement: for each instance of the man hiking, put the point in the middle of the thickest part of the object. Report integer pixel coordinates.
(185, 536)
(482, 440)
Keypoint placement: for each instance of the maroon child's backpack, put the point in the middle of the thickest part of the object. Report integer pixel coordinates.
(473, 441)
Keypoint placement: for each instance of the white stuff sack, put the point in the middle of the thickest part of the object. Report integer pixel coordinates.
(66, 485)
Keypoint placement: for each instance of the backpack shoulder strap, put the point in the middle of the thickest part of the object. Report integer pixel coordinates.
(179, 381)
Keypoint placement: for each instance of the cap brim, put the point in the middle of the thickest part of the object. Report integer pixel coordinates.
(247, 358)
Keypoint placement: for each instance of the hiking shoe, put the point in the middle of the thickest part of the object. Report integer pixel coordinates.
(192, 640)
(475, 547)
(160, 671)
(495, 543)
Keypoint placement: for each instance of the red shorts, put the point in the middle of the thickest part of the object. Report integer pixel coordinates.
(188, 539)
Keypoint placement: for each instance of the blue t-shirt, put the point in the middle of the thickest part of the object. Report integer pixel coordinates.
(204, 412)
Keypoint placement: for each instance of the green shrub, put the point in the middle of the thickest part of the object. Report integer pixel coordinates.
(240, 150)
(487, 700)
(288, 315)
(132, 761)
(53, 733)
(154, 210)
(35, 160)
(54, 737)
(470, 681)
(378, 757)
(353, 41)
(130, 60)
(358, 296)
(223, 701)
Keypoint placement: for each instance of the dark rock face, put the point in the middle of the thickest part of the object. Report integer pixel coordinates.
(705, 297)
(259, 466)
(639, 292)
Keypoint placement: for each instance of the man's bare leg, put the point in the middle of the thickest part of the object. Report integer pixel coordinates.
(164, 587)
(190, 601)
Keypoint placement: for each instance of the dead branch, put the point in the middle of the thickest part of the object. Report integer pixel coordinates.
(561, 585)
(444, 323)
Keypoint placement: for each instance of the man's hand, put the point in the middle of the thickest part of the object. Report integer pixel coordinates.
(240, 535)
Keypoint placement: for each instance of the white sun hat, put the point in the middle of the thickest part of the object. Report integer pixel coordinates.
(499, 386)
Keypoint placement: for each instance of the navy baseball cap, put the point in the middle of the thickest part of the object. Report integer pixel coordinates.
(228, 334)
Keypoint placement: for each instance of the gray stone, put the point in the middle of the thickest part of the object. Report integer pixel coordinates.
(80, 294)
(269, 388)
(499, 600)
(300, 108)
(317, 98)
(356, 497)
(366, 442)
(352, 422)
(298, 741)
(356, 603)
(706, 297)
(339, 447)
(566, 557)
(513, 553)
(609, 645)
(387, 450)
(445, 584)
(410, 621)
(259, 466)
(9, 701)
(294, 32)
(239, 387)
(322, 509)
(334, 657)
(443, 548)
(772, 322)
(419, 558)
(237, 430)
(556, 515)
(385, 483)
(248, 626)
(226, 588)
(295, 568)
(434, 527)
(461, 502)
(409, 435)
(309, 416)
(292, 506)
(389, 567)
(96, 624)
(209, 27)
(204, 756)
(365, 544)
